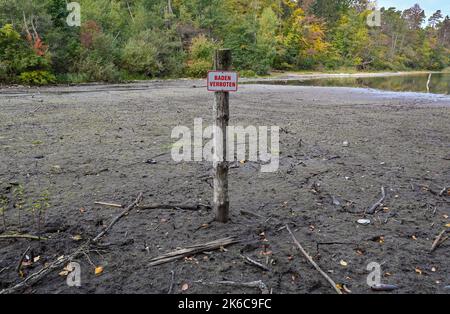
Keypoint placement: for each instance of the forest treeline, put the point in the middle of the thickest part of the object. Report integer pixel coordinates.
(120, 40)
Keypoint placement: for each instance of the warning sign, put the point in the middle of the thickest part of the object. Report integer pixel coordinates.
(222, 81)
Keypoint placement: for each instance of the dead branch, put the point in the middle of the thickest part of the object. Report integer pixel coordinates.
(192, 250)
(254, 263)
(439, 240)
(444, 190)
(172, 281)
(249, 213)
(309, 258)
(21, 236)
(4, 269)
(109, 204)
(22, 257)
(254, 284)
(374, 207)
(174, 206)
(115, 220)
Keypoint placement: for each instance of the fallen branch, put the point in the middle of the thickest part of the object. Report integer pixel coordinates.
(439, 240)
(172, 281)
(4, 269)
(374, 207)
(249, 213)
(192, 250)
(22, 257)
(115, 220)
(254, 263)
(21, 236)
(309, 258)
(109, 204)
(444, 190)
(254, 284)
(35, 277)
(174, 206)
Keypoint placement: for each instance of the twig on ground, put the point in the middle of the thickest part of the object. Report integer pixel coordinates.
(192, 250)
(4, 269)
(172, 281)
(254, 263)
(445, 189)
(115, 220)
(375, 206)
(309, 258)
(174, 206)
(254, 284)
(439, 240)
(22, 257)
(109, 204)
(249, 213)
(21, 236)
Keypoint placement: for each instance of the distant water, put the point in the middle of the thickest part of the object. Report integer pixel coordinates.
(438, 84)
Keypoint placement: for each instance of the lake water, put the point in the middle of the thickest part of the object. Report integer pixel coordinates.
(439, 83)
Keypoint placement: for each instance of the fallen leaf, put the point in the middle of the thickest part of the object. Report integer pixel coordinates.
(184, 287)
(347, 290)
(447, 225)
(343, 263)
(64, 273)
(419, 271)
(36, 259)
(242, 161)
(82, 210)
(77, 237)
(98, 270)
(445, 216)
(414, 237)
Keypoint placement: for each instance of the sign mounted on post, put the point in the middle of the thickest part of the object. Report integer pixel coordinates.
(222, 81)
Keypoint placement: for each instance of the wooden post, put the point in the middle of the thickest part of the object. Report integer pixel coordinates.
(222, 62)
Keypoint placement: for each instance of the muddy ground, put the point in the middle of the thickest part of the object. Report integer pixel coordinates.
(90, 143)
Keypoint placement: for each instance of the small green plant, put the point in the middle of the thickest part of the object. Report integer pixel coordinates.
(39, 208)
(18, 194)
(4, 202)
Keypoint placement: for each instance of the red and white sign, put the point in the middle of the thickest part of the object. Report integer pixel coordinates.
(222, 81)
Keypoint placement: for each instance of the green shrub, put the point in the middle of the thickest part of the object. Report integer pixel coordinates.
(198, 68)
(202, 48)
(247, 73)
(37, 78)
(140, 56)
(153, 53)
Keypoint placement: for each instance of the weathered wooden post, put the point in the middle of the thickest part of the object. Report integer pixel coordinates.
(222, 62)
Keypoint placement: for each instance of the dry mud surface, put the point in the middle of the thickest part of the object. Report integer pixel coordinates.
(90, 143)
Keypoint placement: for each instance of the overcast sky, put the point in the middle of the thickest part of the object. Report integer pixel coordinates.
(430, 6)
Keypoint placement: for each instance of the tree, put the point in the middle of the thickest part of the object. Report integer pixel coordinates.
(415, 17)
(435, 19)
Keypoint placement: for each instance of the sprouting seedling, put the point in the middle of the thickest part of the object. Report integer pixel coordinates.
(39, 208)
(4, 202)
(18, 194)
